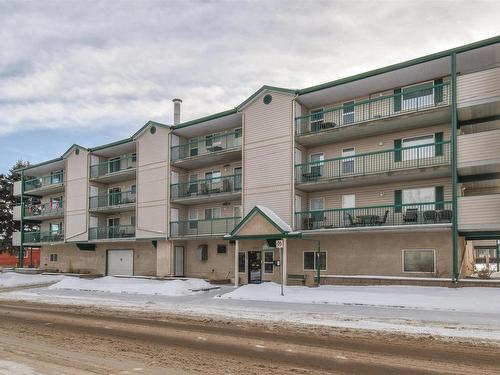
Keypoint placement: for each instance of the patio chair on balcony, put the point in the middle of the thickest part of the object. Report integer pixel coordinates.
(445, 216)
(352, 221)
(411, 215)
(383, 220)
(430, 216)
(204, 189)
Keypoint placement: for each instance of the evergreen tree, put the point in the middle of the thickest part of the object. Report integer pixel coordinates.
(7, 202)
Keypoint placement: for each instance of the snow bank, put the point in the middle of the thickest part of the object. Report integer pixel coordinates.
(13, 279)
(9, 368)
(469, 299)
(110, 284)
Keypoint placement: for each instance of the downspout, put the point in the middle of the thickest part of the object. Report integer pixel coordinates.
(21, 224)
(454, 180)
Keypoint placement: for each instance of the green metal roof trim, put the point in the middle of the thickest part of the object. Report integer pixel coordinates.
(405, 64)
(39, 164)
(115, 143)
(152, 123)
(206, 118)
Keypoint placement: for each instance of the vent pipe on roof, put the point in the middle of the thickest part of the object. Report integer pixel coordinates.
(177, 111)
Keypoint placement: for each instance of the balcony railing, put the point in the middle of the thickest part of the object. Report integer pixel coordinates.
(118, 231)
(44, 181)
(206, 187)
(113, 199)
(112, 166)
(208, 227)
(408, 100)
(44, 237)
(44, 209)
(374, 162)
(376, 216)
(206, 146)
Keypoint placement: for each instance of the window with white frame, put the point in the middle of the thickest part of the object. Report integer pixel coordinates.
(193, 218)
(418, 196)
(312, 260)
(418, 96)
(242, 262)
(316, 119)
(53, 257)
(213, 177)
(348, 154)
(317, 204)
(55, 227)
(348, 112)
(268, 261)
(413, 148)
(317, 164)
(419, 261)
(212, 213)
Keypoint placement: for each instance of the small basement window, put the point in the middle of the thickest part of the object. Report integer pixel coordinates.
(268, 261)
(310, 260)
(53, 257)
(419, 261)
(242, 262)
(221, 249)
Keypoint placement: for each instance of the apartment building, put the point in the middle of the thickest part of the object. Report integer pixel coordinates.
(393, 172)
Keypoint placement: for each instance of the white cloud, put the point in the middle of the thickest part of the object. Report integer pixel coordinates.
(85, 64)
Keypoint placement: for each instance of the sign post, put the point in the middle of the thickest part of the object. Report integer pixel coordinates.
(279, 245)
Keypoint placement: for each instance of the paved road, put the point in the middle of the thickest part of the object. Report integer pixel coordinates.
(85, 340)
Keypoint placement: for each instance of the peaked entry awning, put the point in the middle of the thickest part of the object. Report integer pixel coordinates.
(261, 222)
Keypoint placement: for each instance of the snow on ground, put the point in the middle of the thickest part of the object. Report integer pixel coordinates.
(415, 297)
(9, 368)
(110, 284)
(13, 279)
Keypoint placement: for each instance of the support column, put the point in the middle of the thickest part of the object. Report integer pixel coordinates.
(236, 256)
(284, 262)
(454, 176)
(21, 225)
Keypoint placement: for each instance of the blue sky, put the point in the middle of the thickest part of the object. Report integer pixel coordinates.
(91, 72)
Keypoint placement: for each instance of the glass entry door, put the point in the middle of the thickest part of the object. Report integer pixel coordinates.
(254, 267)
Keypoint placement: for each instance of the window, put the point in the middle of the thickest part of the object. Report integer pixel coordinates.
(348, 161)
(134, 157)
(56, 177)
(114, 165)
(237, 211)
(419, 261)
(237, 178)
(416, 152)
(132, 220)
(193, 218)
(53, 257)
(237, 133)
(348, 113)
(221, 249)
(133, 189)
(310, 259)
(418, 96)
(56, 203)
(419, 195)
(193, 147)
(213, 177)
(55, 227)
(114, 196)
(316, 119)
(317, 204)
(317, 164)
(242, 262)
(268, 261)
(349, 201)
(212, 213)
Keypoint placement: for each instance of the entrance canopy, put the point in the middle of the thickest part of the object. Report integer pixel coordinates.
(261, 222)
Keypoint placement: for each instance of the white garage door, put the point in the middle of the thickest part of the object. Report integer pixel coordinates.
(120, 262)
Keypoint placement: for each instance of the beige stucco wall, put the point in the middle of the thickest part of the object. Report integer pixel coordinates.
(152, 181)
(76, 196)
(71, 259)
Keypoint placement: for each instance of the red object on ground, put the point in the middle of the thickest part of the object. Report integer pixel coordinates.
(31, 259)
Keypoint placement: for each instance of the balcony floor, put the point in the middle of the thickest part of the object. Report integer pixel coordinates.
(204, 160)
(123, 175)
(376, 178)
(46, 190)
(219, 197)
(44, 217)
(114, 209)
(405, 121)
(381, 228)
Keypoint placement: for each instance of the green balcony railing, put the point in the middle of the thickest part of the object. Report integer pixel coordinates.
(113, 199)
(44, 237)
(206, 187)
(44, 209)
(118, 231)
(207, 227)
(55, 178)
(417, 98)
(113, 165)
(373, 216)
(207, 145)
(420, 156)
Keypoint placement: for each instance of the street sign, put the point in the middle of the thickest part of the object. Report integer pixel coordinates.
(279, 244)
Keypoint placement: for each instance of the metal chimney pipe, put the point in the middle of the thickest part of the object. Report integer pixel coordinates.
(177, 110)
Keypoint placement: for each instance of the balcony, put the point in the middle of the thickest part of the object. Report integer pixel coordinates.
(113, 202)
(115, 169)
(374, 217)
(203, 228)
(196, 153)
(207, 190)
(386, 113)
(479, 213)
(49, 184)
(478, 153)
(43, 237)
(385, 166)
(44, 211)
(115, 232)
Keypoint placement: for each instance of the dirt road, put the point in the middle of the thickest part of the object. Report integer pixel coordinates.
(70, 340)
